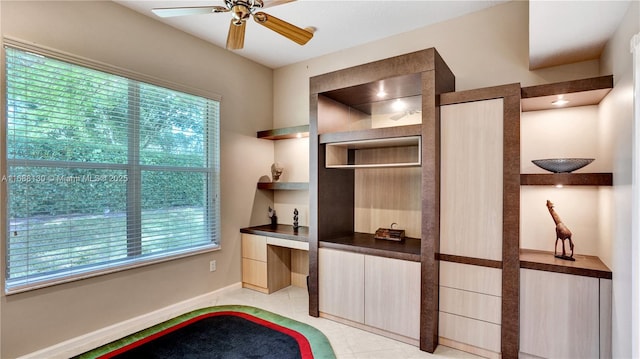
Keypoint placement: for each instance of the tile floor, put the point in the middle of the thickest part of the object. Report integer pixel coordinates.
(347, 342)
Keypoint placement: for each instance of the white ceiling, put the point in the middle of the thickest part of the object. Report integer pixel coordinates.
(562, 32)
(559, 31)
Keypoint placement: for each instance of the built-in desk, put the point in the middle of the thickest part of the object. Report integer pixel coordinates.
(274, 257)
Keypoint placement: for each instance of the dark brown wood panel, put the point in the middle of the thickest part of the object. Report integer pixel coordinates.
(487, 93)
(365, 243)
(284, 133)
(433, 84)
(573, 179)
(587, 266)
(286, 186)
(415, 62)
(360, 96)
(314, 309)
(283, 231)
(469, 260)
(510, 326)
(559, 88)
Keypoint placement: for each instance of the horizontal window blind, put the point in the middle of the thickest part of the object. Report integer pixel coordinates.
(103, 172)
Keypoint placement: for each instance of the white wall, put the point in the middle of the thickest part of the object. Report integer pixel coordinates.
(616, 112)
(107, 32)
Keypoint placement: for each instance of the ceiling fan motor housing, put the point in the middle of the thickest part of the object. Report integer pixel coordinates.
(240, 13)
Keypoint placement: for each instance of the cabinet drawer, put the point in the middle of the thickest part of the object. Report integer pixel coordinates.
(471, 278)
(254, 247)
(254, 272)
(471, 304)
(470, 331)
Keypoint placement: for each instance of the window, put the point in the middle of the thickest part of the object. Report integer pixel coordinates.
(103, 171)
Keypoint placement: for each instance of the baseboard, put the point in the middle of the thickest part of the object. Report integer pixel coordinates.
(86, 342)
(401, 338)
(485, 353)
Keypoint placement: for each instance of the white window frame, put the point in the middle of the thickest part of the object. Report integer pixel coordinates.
(213, 170)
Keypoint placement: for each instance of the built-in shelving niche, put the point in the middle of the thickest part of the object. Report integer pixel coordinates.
(285, 133)
(582, 92)
(375, 153)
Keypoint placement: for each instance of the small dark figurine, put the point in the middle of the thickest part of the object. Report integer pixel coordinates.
(295, 220)
(274, 218)
(562, 233)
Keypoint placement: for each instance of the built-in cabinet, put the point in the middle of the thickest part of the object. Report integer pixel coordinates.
(565, 306)
(264, 268)
(374, 163)
(377, 293)
(274, 257)
(564, 315)
(479, 221)
(446, 168)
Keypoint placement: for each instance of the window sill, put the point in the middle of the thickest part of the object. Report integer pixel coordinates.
(101, 270)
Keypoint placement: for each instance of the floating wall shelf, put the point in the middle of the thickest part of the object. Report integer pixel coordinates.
(290, 186)
(285, 133)
(578, 93)
(568, 179)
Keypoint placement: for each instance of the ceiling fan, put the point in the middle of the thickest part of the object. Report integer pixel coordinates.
(241, 10)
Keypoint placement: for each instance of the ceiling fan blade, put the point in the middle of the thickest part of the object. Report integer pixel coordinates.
(181, 11)
(292, 32)
(235, 38)
(272, 3)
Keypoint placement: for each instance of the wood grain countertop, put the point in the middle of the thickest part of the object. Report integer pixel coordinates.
(588, 266)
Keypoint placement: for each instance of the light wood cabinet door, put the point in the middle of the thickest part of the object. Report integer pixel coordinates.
(392, 295)
(341, 284)
(559, 315)
(471, 173)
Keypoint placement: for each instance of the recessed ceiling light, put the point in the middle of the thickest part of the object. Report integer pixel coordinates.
(560, 102)
(559, 186)
(381, 93)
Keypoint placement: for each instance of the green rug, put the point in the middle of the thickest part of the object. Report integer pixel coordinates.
(312, 342)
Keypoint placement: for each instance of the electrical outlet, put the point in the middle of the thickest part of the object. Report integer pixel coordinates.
(212, 266)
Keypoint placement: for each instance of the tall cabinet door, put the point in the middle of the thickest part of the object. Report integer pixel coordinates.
(471, 225)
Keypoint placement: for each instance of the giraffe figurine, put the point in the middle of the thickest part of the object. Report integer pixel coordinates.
(562, 233)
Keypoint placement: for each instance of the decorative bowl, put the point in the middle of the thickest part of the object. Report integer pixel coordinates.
(562, 165)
